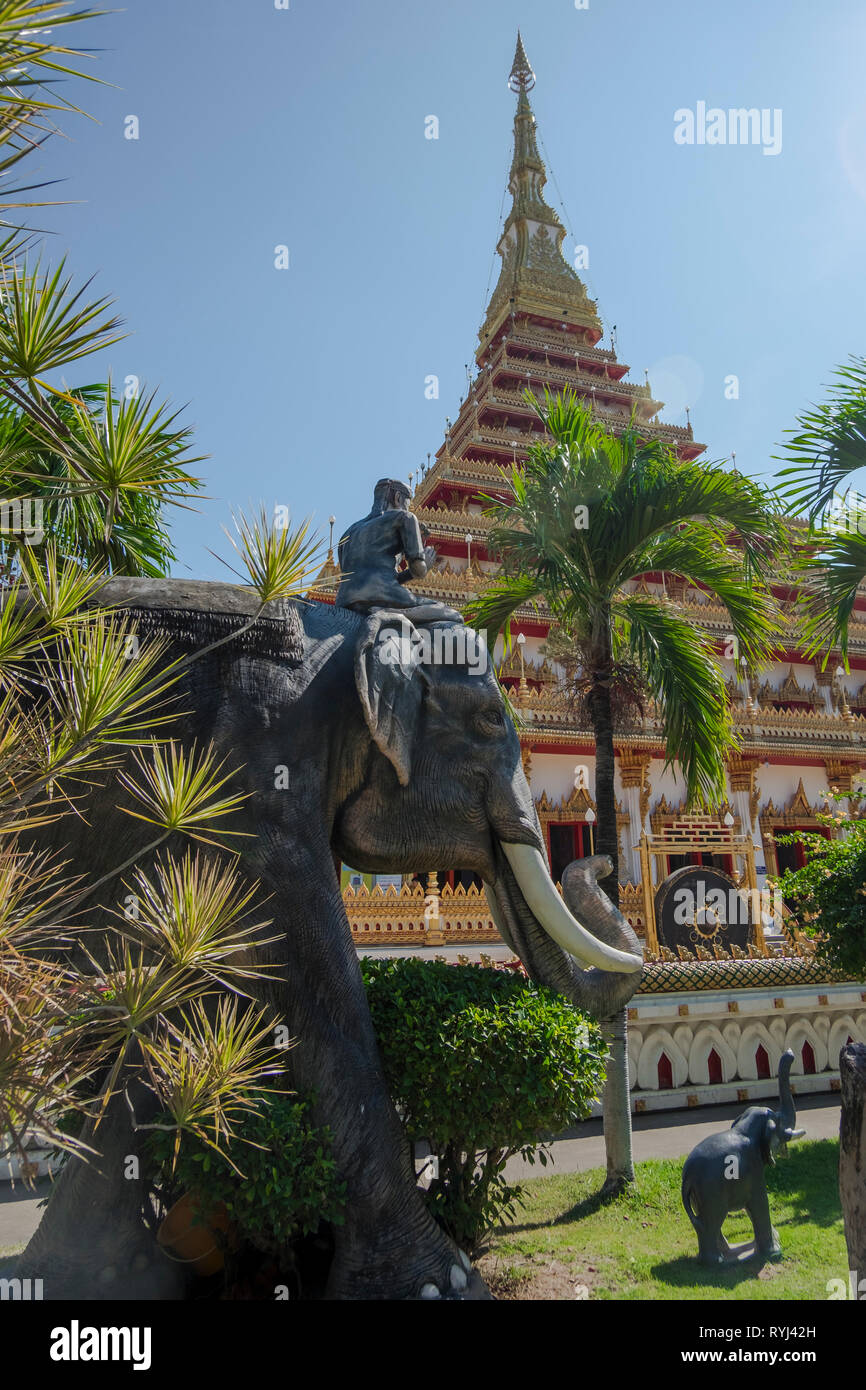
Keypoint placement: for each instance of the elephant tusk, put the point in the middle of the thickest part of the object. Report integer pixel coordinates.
(549, 910)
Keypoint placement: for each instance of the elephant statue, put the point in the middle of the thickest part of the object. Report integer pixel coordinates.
(394, 765)
(725, 1173)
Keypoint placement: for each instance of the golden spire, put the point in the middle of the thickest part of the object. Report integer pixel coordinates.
(535, 276)
(522, 78)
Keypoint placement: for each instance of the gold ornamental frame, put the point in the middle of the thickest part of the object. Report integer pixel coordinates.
(694, 835)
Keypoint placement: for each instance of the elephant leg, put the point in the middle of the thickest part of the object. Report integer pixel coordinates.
(712, 1246)
(389, 1246)
(707, 1223)
(92, 1242)
(766, 1238)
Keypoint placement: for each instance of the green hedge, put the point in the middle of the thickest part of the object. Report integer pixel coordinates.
(482, 1064)
(287, 1181)
(828, 895)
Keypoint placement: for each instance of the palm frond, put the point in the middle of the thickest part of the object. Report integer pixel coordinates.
(699, 554)
(683, 675)
(493, 610)
(835, 567)
(828, 444)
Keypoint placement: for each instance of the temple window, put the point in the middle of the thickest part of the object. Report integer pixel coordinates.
(714, 1067)
(762, 1063)
(665, 1073)
(796, 855)
(808, 1059)
(567, 842)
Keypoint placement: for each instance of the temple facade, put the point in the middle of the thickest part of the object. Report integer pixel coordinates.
(802, 730)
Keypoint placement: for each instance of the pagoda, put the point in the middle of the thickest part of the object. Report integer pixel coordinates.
(708, 1023)
(800, 723)
(542, 331)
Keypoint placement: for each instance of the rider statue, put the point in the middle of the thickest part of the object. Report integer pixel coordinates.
(369, 554)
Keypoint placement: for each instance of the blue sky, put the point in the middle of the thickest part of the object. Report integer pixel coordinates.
(305, 127)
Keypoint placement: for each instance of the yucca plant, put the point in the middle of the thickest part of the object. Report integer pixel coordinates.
(279, 561)
(101, 467)
(76, 701)
(592, 512)
(34, 60)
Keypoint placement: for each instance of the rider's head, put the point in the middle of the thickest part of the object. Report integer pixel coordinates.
(389, 494)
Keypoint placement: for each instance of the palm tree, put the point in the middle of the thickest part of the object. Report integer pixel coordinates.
(827, 447)
(591, 513)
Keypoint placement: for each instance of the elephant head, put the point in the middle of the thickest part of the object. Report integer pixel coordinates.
(772, 1130)
(445, 785)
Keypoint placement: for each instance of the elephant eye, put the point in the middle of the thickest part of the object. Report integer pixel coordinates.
(490, 721)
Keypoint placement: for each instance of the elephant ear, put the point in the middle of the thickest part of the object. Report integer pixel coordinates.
(767, 1132)
(391, 681)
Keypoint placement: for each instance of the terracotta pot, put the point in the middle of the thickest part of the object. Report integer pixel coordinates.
(193, 1238)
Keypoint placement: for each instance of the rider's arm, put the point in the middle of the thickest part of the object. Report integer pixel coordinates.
(413, 545)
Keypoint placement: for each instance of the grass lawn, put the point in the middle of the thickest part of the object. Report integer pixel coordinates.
(566, 1244)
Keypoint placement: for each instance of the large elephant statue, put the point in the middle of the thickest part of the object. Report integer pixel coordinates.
(393, 766)
(725, 1173)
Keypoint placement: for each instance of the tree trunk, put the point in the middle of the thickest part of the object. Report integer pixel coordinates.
(852, 1156)
(616, 1104)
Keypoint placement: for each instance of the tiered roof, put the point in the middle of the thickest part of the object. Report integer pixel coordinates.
(542, 331)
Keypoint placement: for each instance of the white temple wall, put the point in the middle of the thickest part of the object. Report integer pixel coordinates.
(778, 782)
(554, 773)
(686, 1026)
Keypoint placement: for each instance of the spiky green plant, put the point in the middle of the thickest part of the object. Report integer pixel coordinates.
(279, 561)
(78, 691)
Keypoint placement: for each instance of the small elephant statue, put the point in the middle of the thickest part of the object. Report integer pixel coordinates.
(725, 1173)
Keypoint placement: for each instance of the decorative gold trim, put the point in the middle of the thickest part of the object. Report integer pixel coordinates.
(572, 811)
(799, 812)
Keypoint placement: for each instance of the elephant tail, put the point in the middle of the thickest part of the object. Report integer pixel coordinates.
(688, 1196)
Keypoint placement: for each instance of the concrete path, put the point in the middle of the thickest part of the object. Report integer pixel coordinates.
(20, 1212)
(665, 1134)
(668, 1134)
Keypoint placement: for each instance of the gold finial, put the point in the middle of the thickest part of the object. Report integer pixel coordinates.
(521, 78)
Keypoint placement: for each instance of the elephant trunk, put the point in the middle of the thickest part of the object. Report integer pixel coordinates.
(787, 1115)
(550, 936)
(595, 947)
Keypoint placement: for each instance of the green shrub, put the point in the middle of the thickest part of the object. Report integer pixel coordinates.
(482, 1064)
(828, 895)
(287, 1182)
